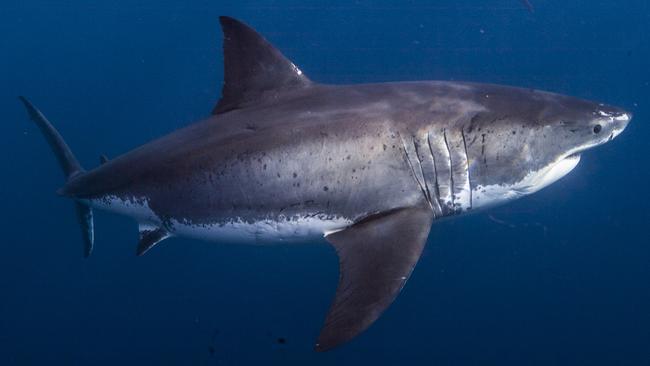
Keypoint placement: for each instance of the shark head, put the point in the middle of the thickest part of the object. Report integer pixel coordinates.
(525, 140)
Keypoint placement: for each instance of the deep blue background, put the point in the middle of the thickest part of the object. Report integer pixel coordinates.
(558, 278)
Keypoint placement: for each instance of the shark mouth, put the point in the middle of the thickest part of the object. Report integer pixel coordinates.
(551, 173)
(546, 176)
(536, 180)
(491, 195)
(572, 157)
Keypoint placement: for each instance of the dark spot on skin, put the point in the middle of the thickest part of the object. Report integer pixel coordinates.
(514, 132)
(281, 341)
(295, 175)
(384, 146)
(348, 157)
(264, 166)
(326, 189)
(598, 128)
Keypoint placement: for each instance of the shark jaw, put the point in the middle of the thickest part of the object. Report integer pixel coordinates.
(492, 195)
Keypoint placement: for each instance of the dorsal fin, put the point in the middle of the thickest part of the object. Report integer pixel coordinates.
(253, 68)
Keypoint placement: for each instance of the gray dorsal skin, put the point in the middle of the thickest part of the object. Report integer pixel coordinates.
(366, 167)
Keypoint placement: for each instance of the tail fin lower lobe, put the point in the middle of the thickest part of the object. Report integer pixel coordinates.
(70, 166)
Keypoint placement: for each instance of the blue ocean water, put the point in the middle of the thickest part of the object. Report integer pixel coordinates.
(557, 278)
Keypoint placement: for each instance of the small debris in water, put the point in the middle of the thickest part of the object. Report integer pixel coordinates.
(282, 340)
(528, 6)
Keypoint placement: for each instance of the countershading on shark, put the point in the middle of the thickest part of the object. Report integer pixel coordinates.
(367, 167)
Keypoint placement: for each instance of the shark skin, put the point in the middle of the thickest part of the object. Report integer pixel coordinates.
(368, 168)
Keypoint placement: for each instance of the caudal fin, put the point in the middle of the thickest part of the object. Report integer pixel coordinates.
(70, 166)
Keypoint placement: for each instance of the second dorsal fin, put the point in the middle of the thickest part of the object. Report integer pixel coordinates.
(253, 68)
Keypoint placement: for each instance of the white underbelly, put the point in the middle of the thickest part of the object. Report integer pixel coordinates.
(282, 229)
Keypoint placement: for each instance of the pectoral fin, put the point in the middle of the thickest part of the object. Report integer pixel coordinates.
(376, 257)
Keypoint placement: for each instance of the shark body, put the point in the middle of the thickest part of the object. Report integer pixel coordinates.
(368, 168)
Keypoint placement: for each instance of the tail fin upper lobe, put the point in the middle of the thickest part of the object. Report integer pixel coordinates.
(70, 166)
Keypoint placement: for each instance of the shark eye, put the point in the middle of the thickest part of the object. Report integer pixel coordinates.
(597, 128)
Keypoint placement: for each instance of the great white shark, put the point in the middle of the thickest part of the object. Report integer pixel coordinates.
(367, 167)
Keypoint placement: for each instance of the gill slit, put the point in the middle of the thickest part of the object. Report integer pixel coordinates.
(451, 169)
(417, 156)
(436, 186)
(469, 181)
(415, 176)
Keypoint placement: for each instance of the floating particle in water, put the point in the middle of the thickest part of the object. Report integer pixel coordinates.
(528, 6)
(211, 350)
(281, 340)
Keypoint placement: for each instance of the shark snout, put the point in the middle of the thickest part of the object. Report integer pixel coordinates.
(610, 122)
(620, 122)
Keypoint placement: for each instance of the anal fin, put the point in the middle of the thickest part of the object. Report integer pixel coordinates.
(150, 236)
(376, 257)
